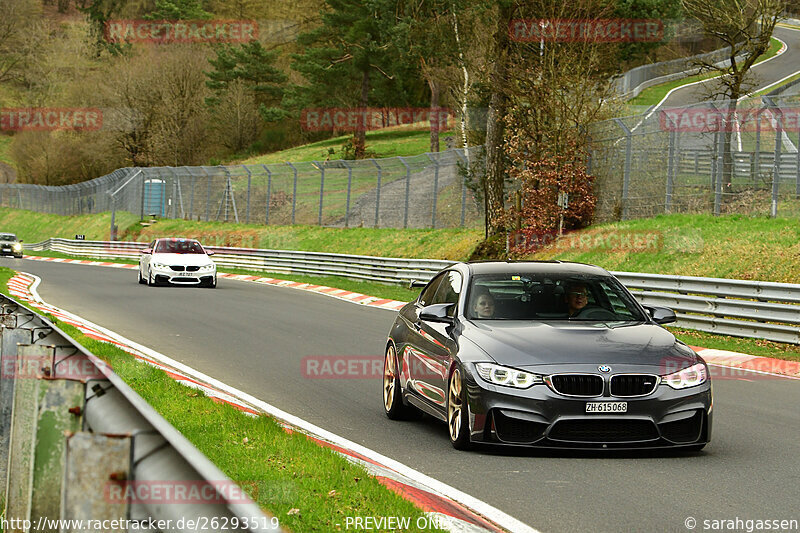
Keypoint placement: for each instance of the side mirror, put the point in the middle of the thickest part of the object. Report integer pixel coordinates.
(209, 253)
(20, 240)
(436, 313)
(661, 315)
(416, 284)
(146, 251)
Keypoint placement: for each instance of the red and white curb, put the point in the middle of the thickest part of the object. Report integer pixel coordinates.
(341, 294)
(732, 361)
(445, 506)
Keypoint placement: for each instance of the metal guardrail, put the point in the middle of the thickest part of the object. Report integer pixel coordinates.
(73, 431)
(383, 269)
(740, 308)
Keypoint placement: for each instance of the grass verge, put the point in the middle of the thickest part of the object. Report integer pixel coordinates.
(653, 95)
(450, 243)
(31, 226)
(789, 352)
(732, 246)
(308, 487)
(389, 142)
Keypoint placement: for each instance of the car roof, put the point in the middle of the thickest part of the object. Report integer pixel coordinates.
(536, 267)
(177, 239)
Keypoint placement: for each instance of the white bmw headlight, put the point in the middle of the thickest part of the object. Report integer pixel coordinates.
(688, 377)
(159, 266)
(207, 268)
(506, 376)
(17, 246)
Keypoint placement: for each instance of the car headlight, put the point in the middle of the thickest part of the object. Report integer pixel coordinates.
(159, 266)
(17, 246)
(688, 377)
(508, 377)
(207, 268)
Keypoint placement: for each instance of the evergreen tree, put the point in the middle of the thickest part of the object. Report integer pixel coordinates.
(178, 10)
(253, 65)
(344, 59)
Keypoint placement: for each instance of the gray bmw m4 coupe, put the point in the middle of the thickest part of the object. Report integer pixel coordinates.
(546, 354)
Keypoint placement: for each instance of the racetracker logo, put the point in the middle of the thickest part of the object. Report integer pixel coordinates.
(77, 367)
(190, 492)
(375, 118)
(708, 119)
(181, 31)
(50, 119)
(360, 367)
(631, 241)
(586, 30)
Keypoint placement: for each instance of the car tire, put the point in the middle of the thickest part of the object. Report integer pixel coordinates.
(211, 284)
(18, 256)
(457, 418)
(393, 404)
(150, 281)
(142, 281)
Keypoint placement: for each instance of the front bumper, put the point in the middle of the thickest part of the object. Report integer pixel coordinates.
(540, 417)
(183, 278)
(11, 251)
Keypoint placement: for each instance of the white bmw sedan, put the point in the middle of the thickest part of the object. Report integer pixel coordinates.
(177, 261)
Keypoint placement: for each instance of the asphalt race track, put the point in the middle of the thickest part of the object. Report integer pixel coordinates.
(253, 337)
(762, 74)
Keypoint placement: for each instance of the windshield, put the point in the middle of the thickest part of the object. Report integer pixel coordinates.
(8, 237)
(179, 246)
(550, 297)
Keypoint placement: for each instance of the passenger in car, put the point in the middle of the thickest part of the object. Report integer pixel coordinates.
(482, 304)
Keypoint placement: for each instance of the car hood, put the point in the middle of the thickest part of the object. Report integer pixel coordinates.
(182, 259)
(520, 344)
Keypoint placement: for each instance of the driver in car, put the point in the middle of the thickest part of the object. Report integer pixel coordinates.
(577, 296)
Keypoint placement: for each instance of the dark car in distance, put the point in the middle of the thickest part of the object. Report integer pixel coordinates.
(10, 245)
(546, 354)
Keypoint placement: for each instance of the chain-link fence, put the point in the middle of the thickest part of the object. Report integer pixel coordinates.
(675, 160)
(425, 191)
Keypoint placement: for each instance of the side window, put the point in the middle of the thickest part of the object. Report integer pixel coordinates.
(449, 291)
(426, 298)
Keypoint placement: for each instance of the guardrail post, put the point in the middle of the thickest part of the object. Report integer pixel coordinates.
(435, 188)
(349, 187)
(294, 190)
(249, 185)
(321, 167)
(408, 190)
(9, 342)
(93, 462)
(269, 192)
(626, 178)
(377, 192)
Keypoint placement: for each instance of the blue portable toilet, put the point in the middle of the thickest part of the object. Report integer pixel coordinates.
(155, 198)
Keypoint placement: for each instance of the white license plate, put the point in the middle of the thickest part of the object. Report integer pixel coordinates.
(606, 407)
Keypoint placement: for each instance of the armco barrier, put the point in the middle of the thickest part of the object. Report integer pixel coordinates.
(741, 308)
(74, 432)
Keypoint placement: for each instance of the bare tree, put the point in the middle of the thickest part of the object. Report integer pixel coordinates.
(746, 26)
